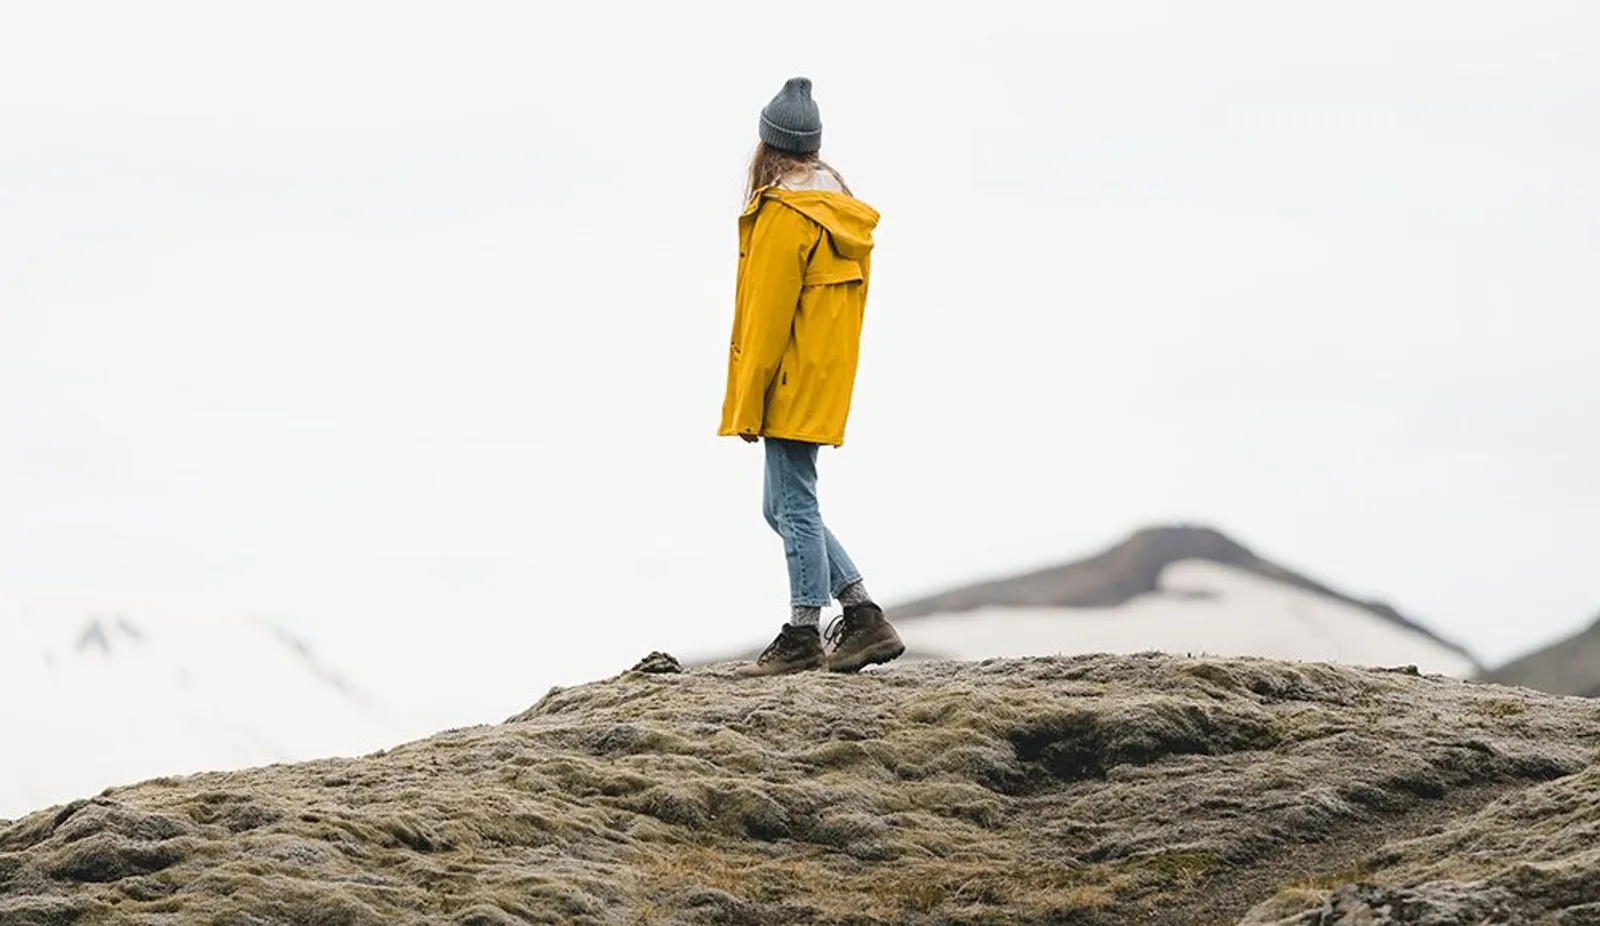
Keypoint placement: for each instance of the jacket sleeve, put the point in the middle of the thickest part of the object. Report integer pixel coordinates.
(768, 295)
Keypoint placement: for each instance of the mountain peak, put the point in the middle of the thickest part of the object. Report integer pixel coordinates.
(1107, 579)
(1174, 542)
(104, 634)
(1148, 551)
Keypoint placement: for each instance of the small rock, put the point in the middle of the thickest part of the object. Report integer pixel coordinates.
(658, 663)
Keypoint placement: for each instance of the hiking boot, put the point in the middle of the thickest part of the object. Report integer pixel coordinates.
(861, 637)
(795, 650)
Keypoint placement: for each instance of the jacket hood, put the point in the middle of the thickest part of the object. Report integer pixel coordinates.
(848, 221)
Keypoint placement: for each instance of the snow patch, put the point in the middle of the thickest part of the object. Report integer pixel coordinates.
(1201, 607)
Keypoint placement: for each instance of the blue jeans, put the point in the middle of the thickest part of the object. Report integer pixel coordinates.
(818, 566)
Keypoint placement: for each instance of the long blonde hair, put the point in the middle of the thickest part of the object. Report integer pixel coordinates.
(770, 165)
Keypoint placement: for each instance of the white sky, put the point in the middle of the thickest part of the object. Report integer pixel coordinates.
(404, 324)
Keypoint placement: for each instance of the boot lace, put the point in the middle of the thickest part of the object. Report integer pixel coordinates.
(839, 630)
(784, 642)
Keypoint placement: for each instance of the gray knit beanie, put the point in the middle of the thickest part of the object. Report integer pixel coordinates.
(791, 121)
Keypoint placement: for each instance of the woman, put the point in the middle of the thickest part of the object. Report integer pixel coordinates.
(805, 246)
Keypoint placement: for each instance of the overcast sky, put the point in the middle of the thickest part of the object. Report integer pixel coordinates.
(404, 325)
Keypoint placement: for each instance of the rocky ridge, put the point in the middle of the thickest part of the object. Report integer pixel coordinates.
(1089, 790)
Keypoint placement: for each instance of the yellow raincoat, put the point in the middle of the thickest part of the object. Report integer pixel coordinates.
(805, 258)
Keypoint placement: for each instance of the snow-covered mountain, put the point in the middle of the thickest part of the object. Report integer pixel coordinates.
(93, 695)
(1176, 589)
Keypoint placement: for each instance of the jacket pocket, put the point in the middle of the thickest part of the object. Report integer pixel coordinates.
(825, 272)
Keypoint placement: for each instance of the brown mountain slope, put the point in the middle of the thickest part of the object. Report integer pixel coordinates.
(1571, 666)
(1088, 790)
(1131, 568)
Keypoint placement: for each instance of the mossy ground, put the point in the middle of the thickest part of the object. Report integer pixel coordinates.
(1091, 790)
